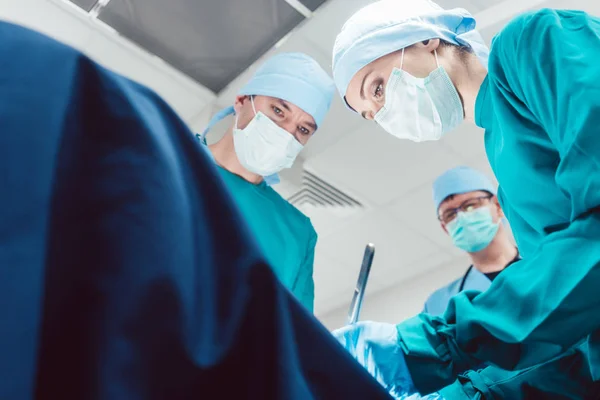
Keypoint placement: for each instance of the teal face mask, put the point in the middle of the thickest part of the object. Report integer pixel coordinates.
(473, 231)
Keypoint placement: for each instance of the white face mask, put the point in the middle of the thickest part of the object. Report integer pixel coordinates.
(263, 147)
(420, 109)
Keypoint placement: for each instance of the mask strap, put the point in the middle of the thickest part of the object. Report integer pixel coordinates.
(436, 58)
(215, 119)
(402, 59)
(253, 109)
(252, 102)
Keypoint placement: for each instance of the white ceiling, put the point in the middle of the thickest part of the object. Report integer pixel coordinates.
(391, 178)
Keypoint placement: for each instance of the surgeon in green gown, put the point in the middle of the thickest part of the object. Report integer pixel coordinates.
(419, 71)
(274, 116)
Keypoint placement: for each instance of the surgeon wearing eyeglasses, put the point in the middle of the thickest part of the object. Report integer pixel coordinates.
(419, 71)
(469, 212)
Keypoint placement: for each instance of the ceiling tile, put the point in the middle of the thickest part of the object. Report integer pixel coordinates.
(394, 243)
(397, 301)
(192, 35)
(473, 6)
(328, 21)
(426, 275)
(382, 279)
(378, 167)
(417, 211)
(589, 6)
(488, 33)
(466, 141)
(483, 165)
(57, 22)
(329, 220)
(338, 123)
(122, 60)
(294, 43)
(333, 281)
(85, 4)
(312, 5)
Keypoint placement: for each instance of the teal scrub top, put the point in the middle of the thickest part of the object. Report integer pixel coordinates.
(285, 235)
(540, 108)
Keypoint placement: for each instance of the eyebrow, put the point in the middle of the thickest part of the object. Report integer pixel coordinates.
(362, 85)
(284, 105)
(312, 126)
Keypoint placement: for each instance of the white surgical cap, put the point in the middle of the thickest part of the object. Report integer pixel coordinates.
(390, 25)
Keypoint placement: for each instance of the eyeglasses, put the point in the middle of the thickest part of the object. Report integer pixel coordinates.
(468, 205)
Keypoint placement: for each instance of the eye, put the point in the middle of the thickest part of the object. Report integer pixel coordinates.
(448, 216)
(277, 110)
(304, 131)
(470, 206)
(378, 92)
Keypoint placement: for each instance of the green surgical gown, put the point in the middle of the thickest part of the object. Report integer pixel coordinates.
(285, 235)
(540, 108)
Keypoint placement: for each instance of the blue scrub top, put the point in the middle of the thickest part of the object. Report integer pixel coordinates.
(125, 272)
(437, 302)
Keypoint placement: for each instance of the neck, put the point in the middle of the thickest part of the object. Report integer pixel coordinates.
(224, 153)
(468, 81)
(496, 256)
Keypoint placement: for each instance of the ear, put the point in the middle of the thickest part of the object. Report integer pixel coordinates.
(429, 45)
(498, 207)
(444, 228)
(239, 103)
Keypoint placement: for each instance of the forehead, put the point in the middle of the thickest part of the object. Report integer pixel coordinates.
(457, 199)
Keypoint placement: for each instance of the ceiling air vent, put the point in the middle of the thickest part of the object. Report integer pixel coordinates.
(316, 192)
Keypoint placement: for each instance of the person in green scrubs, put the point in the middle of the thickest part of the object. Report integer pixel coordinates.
(275, 114)
(419, 71)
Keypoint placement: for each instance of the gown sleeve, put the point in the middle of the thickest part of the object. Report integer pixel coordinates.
(306, 283)
(547, 62)
(125, 272)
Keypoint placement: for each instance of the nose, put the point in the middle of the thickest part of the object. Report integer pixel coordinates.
(376, 108)
(370, 115)
(373, 109)
(289, 125)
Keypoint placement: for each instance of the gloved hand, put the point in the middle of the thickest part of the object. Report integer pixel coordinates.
(375, 346)
(416, 396)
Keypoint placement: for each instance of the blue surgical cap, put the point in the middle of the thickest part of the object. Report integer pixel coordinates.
(386, 26)
(460, 180)
(293, 77)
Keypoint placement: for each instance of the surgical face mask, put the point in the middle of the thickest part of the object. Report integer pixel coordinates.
(473, 231)
(263, 147)
(420, 109)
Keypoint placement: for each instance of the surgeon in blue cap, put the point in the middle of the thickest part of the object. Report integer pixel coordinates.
(275, 115)
(469, 212)
(419, 71)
